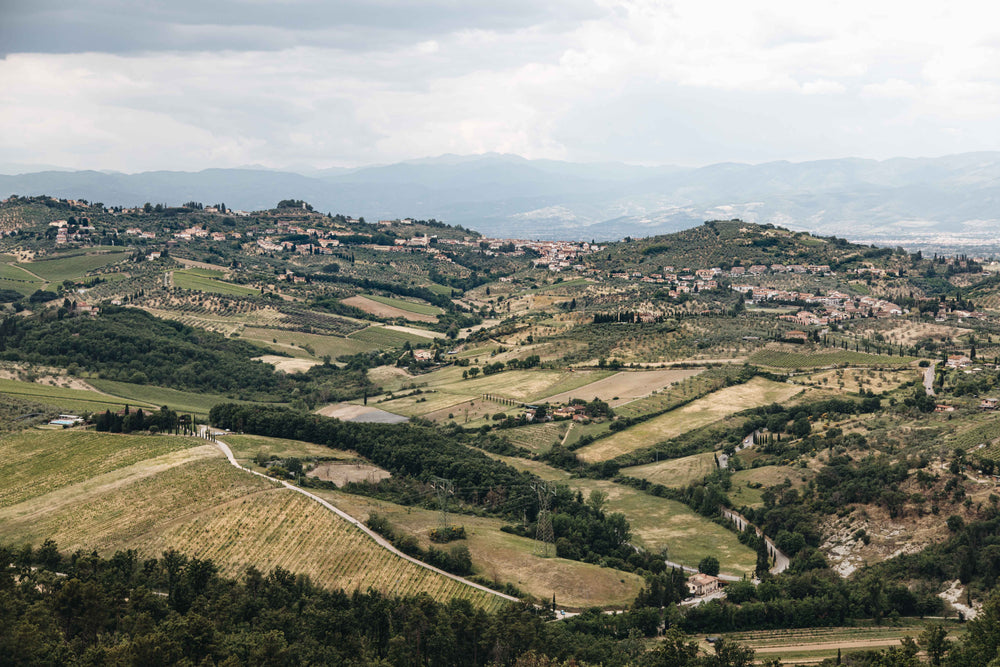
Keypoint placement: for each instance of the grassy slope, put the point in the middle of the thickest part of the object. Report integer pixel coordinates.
(703, 411)
(66, 268)
(107, 492)
(403, 304)
(75, 400)
(193, 281)
(504, 557)
(658, 523)
(675, 473)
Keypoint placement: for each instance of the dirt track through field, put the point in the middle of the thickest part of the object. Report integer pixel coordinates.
(830, 646)
(381, 541)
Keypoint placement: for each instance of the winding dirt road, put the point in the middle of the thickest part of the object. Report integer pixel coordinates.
(381, 541)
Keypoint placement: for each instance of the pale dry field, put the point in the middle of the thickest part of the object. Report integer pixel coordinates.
(384, 310)
(705, 410)
(288, 364)
(344, 473)
(625, 386)
(675, 473)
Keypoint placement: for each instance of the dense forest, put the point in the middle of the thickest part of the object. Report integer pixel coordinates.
(82, 609)
(130, 345)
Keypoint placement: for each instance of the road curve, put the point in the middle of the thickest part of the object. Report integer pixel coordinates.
(381, 541)
(781, 561)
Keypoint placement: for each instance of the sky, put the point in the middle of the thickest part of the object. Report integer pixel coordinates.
(305, 84)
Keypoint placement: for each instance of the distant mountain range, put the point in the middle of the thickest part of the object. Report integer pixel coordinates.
(953, 199)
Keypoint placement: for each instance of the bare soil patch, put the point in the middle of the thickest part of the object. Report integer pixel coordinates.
(288, 364)
(349, 412)
(343, 473)
(413, 330)
(383, 310)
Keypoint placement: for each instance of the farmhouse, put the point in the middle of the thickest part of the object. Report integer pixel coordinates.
(702, 584)
(989, 403)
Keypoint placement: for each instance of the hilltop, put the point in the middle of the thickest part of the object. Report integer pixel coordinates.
(590, 419)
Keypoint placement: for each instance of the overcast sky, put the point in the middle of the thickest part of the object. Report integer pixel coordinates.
(184, 84)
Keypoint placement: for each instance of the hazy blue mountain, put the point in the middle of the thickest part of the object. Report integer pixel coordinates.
(507, 195)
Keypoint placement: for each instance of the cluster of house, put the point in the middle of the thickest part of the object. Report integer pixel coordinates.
(833, 305)
(75, 234)
(574, 412)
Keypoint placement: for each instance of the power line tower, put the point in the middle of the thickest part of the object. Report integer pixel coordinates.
(444, 488)
(543, 533)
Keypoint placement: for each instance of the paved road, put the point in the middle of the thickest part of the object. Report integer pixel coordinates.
(781, 561)
(929, 378)
(381, 541)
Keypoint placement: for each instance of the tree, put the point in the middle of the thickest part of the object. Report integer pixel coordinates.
(597, 499)
(709, 565)
(934, 639)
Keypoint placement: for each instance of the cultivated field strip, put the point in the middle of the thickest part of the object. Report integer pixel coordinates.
(33, 463)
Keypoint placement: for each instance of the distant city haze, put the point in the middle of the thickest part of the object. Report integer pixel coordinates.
(947, 202)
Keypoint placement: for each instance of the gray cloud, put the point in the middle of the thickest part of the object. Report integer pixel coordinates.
(118, 26)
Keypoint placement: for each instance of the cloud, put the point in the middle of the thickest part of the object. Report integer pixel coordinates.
(185, 85)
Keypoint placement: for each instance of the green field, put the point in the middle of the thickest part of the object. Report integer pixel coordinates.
(205, 273)
(403, 304)
(786, 360)
(536, 438)
(384, 338)
(748, 485)
(676, 473)
(503, 557)
(34, 463)
(293, 342)
(658, 523)
(248, 446)
(700, 412)
(74, 400)
(190, 279)
(14, 278)
(75, 266)
(105, 492)
(179, 401)
(440, 289)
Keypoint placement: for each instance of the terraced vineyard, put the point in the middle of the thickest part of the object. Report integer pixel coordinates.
(106, 492)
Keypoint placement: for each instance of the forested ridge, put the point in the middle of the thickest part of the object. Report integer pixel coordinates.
(82, 609)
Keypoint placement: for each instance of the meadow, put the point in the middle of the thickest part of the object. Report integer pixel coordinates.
(384, 338)
(73, 266)
(506, 558)
(404, 304)
(657, 523)
(675, 473)
(308, 345)
(178, 401)
(194, 279)
(73, 400)
(700, 412)
(748, 485)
